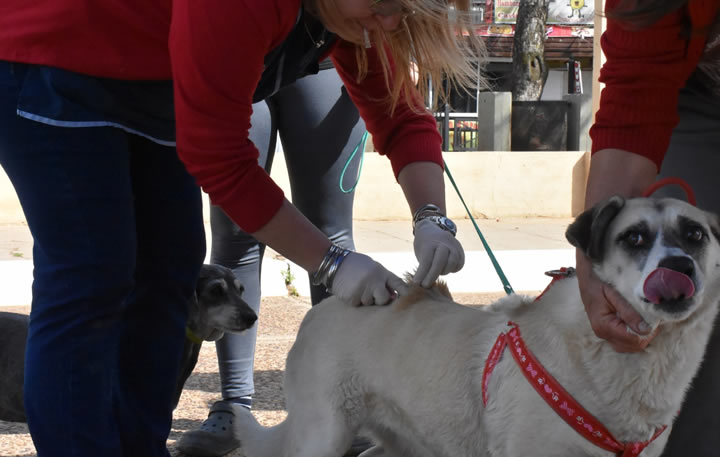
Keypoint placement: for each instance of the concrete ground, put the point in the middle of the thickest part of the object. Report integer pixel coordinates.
(524, 248)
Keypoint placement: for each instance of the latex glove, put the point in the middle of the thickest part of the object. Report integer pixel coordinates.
(610, 315)
(362, 281)
(438, 252)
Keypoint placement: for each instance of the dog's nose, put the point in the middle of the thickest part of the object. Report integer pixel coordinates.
(680, 264)
(249, 317)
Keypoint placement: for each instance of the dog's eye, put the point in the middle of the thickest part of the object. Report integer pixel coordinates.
(695, 234)
(634, 239)
(216, 290)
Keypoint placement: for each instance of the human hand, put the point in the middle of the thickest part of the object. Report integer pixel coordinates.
(438, 252)
(362, 281)
(610, 315)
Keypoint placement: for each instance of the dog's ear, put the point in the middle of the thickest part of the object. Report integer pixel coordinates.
(588, 230)
(210, 273)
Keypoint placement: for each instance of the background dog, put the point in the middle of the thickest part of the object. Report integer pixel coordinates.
(216, 308)
(410, 374)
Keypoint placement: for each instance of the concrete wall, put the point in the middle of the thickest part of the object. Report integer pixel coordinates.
(494, 184)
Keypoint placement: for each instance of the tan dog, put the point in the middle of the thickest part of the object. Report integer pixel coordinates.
(410, 374)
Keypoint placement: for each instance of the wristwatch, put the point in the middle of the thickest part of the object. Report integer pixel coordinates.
(433, 213)
(442, 222)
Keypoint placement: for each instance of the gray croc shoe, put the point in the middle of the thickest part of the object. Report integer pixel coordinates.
(215, 436)
(359, 445)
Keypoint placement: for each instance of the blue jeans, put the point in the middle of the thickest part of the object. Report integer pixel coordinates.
(118, 242)
(319, 127)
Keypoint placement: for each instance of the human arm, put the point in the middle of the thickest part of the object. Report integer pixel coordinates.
(645, 69)
(218, 55)
(437, 250)
(410, 139)
(358, 280)
(613, 172)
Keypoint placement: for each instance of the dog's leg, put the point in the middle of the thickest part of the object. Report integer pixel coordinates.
(320, 432)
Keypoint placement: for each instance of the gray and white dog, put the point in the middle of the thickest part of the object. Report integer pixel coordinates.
(216, 308)
(411, 374)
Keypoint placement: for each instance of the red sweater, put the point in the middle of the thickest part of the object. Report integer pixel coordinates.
(215, 56)
(643, 74)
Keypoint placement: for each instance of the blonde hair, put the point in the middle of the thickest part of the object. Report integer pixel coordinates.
(437, 36)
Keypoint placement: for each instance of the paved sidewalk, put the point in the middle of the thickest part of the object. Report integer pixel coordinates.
(524, 248)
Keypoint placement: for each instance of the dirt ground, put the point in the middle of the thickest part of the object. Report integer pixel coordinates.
(278, 323)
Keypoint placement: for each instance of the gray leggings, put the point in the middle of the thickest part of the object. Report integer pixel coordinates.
(694, 155)
(319, 127)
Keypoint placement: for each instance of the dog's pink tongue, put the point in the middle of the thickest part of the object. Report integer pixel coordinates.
(666, 284)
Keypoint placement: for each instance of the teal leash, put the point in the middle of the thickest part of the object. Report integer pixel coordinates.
(361, 147)
(506, 284)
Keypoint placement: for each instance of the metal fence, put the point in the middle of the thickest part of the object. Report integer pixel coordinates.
(459, 133)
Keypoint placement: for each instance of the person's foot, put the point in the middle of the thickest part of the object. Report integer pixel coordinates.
(359, 445)
(215, 436)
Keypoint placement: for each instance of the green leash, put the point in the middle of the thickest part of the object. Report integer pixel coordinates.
(361, 147)
(506, 284)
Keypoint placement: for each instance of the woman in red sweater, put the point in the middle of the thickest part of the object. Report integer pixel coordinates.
(659, 112)
(93, 96)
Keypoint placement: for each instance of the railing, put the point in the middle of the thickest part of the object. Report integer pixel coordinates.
(459, 132)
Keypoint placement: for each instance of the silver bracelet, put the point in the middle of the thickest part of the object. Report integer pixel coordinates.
(429, 208)
(334, 267)
(328, 266)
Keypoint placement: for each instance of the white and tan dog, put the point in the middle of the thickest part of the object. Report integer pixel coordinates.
(410, 374)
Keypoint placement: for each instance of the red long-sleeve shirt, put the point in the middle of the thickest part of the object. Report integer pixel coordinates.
(643, 74)
(214, 51)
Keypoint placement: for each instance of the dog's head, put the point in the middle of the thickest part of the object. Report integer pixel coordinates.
(218, 306)
(662, 255)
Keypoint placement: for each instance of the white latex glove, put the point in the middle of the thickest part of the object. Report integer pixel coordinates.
(438, 252)
(362, 281)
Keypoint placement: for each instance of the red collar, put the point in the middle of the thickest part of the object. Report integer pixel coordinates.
(553, 393)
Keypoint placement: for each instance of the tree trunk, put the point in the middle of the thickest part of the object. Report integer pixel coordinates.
(529, 71)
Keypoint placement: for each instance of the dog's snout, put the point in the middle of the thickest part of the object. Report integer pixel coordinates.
(250, 317)
(684, 265)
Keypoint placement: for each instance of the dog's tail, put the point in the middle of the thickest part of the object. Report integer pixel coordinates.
(257, 440)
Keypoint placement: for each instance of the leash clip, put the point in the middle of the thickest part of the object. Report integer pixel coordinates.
(561, 273)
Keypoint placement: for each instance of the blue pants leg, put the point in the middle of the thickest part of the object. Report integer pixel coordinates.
(118, 241)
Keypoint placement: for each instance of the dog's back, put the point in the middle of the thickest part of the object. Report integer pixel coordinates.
(384, 368)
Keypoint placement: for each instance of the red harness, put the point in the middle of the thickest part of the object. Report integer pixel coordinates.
(553, 393)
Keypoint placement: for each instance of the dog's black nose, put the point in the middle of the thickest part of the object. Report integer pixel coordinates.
(248, 317)
(680, 264)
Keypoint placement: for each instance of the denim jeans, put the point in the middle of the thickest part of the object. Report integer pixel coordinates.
(319, 127)
(118, 242)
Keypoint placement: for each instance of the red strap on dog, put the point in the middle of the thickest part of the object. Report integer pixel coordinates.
(554, 395)
(669, 181)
